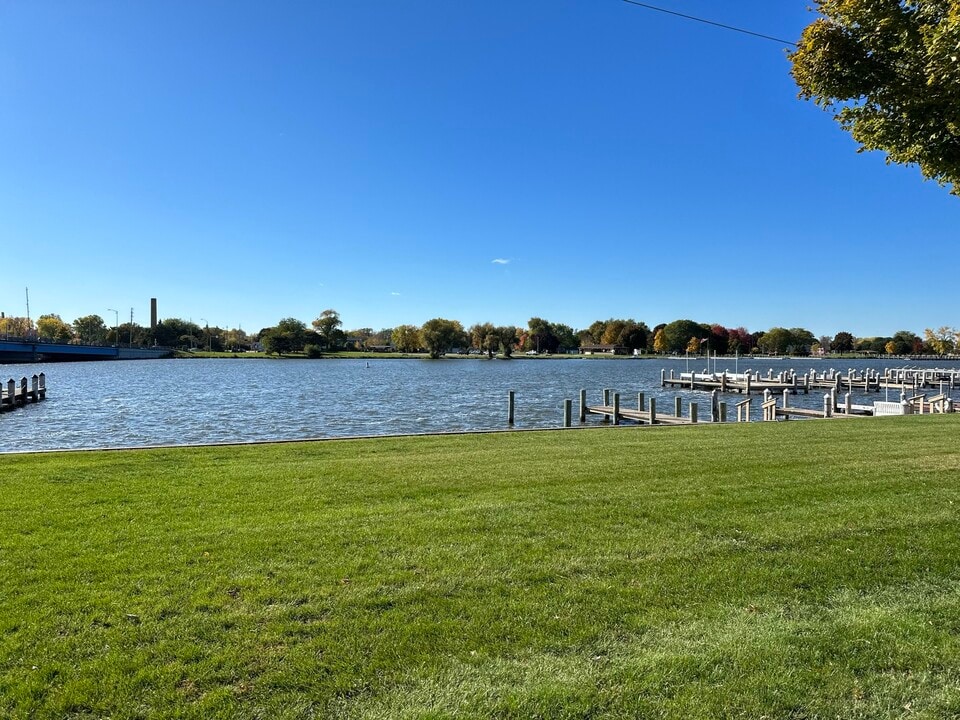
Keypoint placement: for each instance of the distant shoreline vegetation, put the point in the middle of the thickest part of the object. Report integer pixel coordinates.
(438, 337)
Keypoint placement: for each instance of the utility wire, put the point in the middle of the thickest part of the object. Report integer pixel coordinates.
(710, 22)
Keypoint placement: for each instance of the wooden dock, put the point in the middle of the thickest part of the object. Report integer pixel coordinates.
(17, 394)
(645, 413)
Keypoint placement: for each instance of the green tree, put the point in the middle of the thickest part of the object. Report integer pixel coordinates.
(289, 336)
(90, 329)
(906, 342)
(540, 336)
(177, 333)
(406, 338)
(842, 342)
(506, 339)
(678, 334)
(566, 337)
(801, 340)
(52, 327)
(888, 72)
(775, 341)
(327, 326)
(439, 336)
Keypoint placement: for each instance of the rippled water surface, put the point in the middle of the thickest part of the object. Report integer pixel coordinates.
(111, 404)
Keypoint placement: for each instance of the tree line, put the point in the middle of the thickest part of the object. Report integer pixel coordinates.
(439, 336)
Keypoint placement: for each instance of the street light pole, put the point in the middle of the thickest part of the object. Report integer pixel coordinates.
(116, 326)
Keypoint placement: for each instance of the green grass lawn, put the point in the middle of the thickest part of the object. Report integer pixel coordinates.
(805, 569)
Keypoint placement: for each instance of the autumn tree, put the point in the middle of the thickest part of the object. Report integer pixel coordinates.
(659, 342)
(888, 72)
(483, 337)
(942, 340)
(739, 340)
(52, 327)
(15, 326)
(439, 336)
(406, 338)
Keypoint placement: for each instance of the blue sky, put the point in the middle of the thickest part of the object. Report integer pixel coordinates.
(569, 159)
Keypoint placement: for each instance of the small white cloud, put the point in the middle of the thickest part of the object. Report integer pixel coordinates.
(395, 294)
(501, 261)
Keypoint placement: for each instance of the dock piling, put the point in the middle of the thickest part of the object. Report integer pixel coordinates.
(510, 406)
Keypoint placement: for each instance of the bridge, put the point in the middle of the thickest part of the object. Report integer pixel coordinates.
(25, 351)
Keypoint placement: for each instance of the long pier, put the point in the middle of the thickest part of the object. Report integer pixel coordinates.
(646, 411)
(14, 394)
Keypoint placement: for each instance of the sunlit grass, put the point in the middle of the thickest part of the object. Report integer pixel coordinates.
(801, 569)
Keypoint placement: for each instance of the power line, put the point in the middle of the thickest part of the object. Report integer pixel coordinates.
(710, 22)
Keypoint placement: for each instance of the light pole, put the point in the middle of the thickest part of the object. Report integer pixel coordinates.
(116, 326)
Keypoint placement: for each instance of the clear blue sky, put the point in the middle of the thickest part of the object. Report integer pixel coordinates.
(480, 161)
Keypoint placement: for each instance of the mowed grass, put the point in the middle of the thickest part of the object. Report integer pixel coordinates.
(781, 570)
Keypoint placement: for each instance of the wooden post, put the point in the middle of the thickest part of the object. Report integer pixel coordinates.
(35, 388)
(567, 412)
(806, 384)
(749, 374)
(715, 406)
(723, 412)
(11, 391)
(606, 403)
(23, 391)
(677, 406)
(786, 398)
(693, 413)
(723, 382)
(510, 406)
(616, 408)
(663, 377)
(43, 383)
(653, 410)
(848, 404)
(640, 399)
(827, 405)
(583, 405)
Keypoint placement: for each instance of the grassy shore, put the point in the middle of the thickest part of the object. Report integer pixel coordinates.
(780, 570)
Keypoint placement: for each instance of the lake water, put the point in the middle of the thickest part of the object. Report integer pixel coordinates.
(159, 402)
